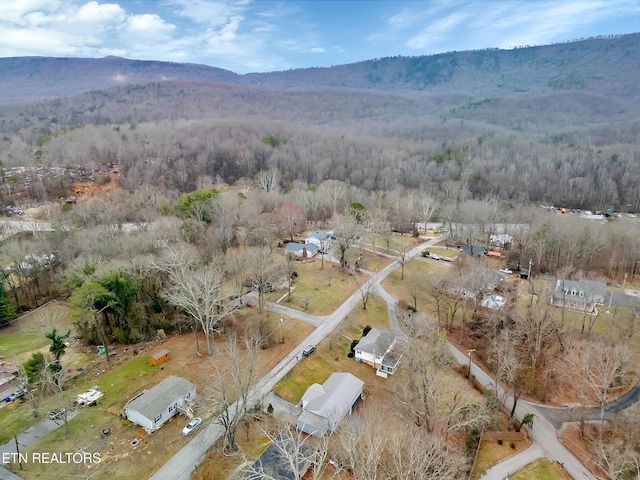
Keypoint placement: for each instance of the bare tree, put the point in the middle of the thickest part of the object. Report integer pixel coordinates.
(268, 180)
(294, 453)
(196, 288)
(426, 205)
(346, 234)
(403, 251)
(234, 376)
(595, 368)
(366, 287)
(415, 455)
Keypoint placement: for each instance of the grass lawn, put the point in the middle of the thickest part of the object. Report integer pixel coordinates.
(541, 469)
(318, 290)
(491, 452)
(331, 355)
(14, 346)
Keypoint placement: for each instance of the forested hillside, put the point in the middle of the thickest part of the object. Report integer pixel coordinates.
(555, 124)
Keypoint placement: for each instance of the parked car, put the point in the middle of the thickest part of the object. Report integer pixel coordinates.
(506, 271)
(191, 426)
(308, 350)
(435, 257)
(55, 414)
(15, 396)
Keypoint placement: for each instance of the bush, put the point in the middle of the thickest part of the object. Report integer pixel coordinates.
(471, 443)
(425, 253)
(353, 345)
(513, 445)
(500, 442)
(366, 330)
(411, 308)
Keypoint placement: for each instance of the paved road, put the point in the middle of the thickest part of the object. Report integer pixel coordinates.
(507, 467)
(543, 432)
(35, 433)
(180, 466)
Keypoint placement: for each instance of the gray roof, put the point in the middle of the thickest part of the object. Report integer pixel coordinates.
(319, 235)
(592, 291)
(376, 341)
(298, 247)
(155, 401)
(333, 399)
(275, 460)
(159, 354)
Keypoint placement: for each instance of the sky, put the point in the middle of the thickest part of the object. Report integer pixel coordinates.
(269, 35)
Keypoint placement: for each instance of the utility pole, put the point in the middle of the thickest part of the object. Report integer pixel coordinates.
(469, 352)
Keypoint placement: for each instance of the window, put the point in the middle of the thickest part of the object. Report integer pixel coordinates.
(158, 418)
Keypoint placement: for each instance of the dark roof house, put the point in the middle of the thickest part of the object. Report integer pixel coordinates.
(279, 460)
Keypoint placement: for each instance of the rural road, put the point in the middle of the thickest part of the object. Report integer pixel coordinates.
(180, 466)
(543, 433)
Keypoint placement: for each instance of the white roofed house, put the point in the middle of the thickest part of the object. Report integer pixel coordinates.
(321, 239)
(152, 408)
(375, 349)
(325, 406)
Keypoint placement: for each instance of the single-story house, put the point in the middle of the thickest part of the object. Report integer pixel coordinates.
(474, 285)
(152, 408)
(159, 356)
(375, 349)
(582, 295)
(474, 250)
(302, 250)
(324, 406)
(321, 239)
(279, 460)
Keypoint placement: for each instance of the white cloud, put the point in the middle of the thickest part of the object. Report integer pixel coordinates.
(15, 11)
(437, 31)
(149, 24)
(208, 12)
(93, 12)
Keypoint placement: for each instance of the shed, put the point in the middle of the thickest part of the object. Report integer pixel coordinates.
(160, 356)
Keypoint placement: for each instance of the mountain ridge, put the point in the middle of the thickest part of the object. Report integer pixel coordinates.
(600, 64)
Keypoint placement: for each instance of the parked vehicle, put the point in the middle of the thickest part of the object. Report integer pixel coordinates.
(506, 271)
(308, 350)
(55, 414)
(191, 426)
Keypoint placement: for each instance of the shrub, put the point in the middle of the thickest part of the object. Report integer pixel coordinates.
(500, 442)
(425, 253)
(366, 330)
(471, 443)
(411, 308)
(513, 445)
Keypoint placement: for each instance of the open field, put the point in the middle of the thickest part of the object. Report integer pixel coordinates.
(317, 290)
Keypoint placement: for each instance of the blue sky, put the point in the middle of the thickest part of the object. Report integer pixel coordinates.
(264, 35)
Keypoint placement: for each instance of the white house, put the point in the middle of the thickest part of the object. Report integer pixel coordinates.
(375, 349)
(324, 406)
(321, 239)
(302, 250)
(152, 408)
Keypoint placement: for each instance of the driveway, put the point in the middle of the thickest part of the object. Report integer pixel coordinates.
(35, 433)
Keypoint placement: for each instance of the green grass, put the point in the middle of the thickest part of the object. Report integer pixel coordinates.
(541, 469)
(312, 287)
(491, 452)
(14, 421)
(12, 346)
(331, 355)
